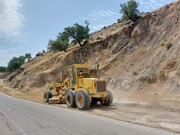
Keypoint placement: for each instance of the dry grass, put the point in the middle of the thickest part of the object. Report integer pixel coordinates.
(33, 95)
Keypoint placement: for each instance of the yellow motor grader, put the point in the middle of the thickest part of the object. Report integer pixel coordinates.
(79, 87)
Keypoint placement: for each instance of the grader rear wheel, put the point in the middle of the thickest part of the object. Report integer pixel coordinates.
(70, 98)
(82, 100)
(107, 101)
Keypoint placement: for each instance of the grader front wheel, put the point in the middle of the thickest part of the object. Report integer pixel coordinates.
(47, 96)
(83, 100)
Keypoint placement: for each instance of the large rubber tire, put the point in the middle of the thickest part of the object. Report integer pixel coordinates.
(47, 96)
(108, 101)
(70, 99)
(83, 100)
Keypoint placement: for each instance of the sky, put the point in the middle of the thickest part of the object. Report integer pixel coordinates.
(27, 25)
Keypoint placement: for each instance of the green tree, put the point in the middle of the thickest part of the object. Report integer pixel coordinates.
(3, 69)
(15, 63)
(129, 10)
(78, 32)
(27, 55)
(60, 44)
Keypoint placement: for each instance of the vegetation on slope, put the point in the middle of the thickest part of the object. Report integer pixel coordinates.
(74, 34)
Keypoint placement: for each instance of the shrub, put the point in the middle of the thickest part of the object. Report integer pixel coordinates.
(168, 45)
(60, 44)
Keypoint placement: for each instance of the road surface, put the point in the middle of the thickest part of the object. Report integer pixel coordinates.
(20, 117)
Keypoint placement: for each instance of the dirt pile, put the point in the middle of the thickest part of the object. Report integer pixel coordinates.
(140, 56)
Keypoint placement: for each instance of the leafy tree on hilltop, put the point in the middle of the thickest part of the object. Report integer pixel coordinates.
(3, 69)
(60, 44)
(75, 33)
(27, 55)
(15, 63)
(78, 32)
(129, 10)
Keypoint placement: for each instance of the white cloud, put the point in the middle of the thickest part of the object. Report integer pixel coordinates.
(101, 13)
(158, 4)
(150, 5)
(11, 19)
(101, 17)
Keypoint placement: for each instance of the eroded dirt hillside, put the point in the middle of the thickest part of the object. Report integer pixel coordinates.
(141, 58)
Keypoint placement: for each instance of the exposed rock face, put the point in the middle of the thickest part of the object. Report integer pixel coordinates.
(132, 55)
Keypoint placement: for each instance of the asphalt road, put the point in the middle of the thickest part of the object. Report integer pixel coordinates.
(20, 117)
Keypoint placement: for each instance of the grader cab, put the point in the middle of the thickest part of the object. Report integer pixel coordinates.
(79, 87)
